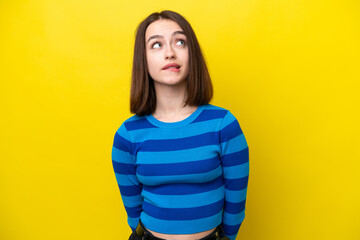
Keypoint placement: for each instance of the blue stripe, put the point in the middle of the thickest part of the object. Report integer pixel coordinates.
(133, 212)
(236, 184)
(178, 168)
(187, 178)
(130, 190)
(235, 158)
(238, 171)
(122, 144)
(206, 115)
(210, 138)
(234, 145)
(126, 179)
(236, 196)
(229, 118)
(124, 168)
(181, 227)
(118, 155)
(174, 133)
(231, 229)
(230, 131)
(138, 124)
(188, 155)
(183, 213)
(185, 188)
(234, 208)
(233, 219)
(132, 201)
(133, 222)
(185, 201)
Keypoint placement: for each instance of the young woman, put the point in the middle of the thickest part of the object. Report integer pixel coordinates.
(181, 163)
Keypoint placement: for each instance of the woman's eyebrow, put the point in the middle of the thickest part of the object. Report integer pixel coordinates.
(160, 36)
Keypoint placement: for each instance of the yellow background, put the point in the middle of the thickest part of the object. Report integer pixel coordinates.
(288, 70)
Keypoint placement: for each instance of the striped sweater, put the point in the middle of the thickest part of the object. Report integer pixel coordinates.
(183, 177)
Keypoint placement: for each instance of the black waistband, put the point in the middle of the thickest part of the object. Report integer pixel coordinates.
(144, 234)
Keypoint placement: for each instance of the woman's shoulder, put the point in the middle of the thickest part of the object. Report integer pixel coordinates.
(128, 123)
(226, 113)
(217, 110)
(134, 117)
(215, 107)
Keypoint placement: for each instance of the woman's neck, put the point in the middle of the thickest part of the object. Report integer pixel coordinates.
(170, 101)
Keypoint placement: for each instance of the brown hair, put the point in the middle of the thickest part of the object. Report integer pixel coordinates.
(198, 83)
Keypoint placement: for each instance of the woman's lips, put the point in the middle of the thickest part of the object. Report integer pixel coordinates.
(172, 69)
(171, 65)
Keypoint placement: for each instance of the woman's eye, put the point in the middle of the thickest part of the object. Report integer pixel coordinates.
(180, 40)
(155, 44)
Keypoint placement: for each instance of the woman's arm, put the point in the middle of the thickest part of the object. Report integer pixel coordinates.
(124, 166)
(235, 163)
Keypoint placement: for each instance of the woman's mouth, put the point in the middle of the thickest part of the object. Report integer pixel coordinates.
(173, 69)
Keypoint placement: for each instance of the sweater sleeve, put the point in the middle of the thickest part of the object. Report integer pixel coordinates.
(123, 161)
(235, 163)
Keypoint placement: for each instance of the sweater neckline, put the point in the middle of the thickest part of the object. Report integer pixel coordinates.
(180, 123)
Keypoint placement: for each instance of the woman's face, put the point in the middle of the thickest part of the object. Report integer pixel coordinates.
(166, 43)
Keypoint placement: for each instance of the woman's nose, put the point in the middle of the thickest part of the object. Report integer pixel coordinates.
(169, 53)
